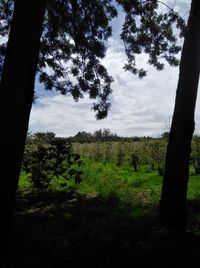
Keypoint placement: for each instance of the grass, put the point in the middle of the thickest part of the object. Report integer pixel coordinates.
(136, 189)
(109, 219)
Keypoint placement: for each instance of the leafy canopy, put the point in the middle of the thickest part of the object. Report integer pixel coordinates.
(155, 33)
(74, 42)
(72, 45)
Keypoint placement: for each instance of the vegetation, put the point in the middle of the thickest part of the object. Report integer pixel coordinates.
(49, 161)
(110, 216)
(46, 157)
(69, 37)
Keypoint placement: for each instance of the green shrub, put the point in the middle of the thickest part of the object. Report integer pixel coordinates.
(134, 161)
(44, 161)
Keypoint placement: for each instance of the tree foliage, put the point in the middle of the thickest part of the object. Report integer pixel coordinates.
(99, 135)
(72, 45)
(47, 157)
(6, 8)
(74, 42)
(146, 30)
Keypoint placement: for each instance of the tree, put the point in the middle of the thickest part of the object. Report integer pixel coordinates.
(71, 46)
(82, 137)
(134, 161)
(68, 37)
(174, 192)
(152, 36)
(44, 137)
(16, 93)
(44, 159)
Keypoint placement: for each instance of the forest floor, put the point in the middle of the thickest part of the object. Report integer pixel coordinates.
(72, 229)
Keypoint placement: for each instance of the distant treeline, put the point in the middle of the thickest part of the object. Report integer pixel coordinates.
(100, 135)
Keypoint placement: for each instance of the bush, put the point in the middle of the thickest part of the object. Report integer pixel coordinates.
(134, 161)
(44, 161)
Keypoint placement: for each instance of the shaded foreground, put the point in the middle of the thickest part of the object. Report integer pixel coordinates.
(66, 229)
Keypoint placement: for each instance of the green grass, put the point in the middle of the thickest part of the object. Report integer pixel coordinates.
(106, 179)
(139, 191)
(110, 217)
(194, 187)
(24, 183)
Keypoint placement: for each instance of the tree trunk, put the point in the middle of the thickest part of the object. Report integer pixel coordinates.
(16, 93)
(174, 192)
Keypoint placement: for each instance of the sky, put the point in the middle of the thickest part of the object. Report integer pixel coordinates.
(140, 107)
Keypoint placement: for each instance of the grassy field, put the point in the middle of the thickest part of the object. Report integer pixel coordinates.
(109, 219)
(105, 179)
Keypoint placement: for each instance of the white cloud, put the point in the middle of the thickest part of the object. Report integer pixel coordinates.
(139, 107)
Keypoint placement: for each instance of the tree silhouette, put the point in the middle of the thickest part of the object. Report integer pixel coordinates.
(62, 41)
(174, 192)
(16, 93)
(154, 35)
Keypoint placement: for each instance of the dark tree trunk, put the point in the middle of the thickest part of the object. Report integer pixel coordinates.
(174, 192)
(16, 94)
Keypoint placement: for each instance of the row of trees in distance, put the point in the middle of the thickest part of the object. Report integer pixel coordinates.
(139, 152)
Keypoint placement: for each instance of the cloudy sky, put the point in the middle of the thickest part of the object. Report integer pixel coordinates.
(139, 107)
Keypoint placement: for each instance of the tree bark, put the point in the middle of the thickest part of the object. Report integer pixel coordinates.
(173, 206)
(16, 94)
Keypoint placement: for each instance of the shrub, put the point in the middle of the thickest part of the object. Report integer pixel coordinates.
(134, 161)
(44, 161)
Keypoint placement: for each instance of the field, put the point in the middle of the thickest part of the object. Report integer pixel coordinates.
(109, 219)
(138, 190)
